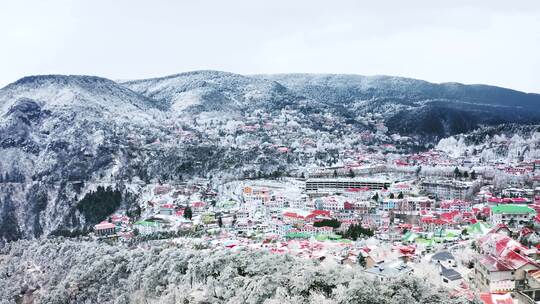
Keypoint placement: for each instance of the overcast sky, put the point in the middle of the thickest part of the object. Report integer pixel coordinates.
(493, 42)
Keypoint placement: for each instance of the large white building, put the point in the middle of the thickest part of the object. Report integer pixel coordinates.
(340, 185)
(447, 189)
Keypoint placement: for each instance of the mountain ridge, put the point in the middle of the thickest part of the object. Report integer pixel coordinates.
(62, 135)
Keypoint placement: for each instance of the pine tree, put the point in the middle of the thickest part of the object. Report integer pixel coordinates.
(220, 222)
(456, 172)
(328, 223)
(188, 214)
(361, 260)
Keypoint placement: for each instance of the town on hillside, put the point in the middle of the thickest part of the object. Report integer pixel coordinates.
(460, 219)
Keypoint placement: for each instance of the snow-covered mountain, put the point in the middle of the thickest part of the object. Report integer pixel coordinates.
(414, 106)
(407, 106)
(56, 133)
(62, 136)
(211, 90)
(78, 93)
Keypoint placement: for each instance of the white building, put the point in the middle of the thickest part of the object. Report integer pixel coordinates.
(447, 189)
(511, 215)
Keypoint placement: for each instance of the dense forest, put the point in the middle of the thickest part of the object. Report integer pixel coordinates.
(63, 271)
(97, 205)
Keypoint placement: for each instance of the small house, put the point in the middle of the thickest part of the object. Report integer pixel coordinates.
(104, 228)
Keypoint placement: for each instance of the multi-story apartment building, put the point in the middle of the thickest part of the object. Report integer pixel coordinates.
(340, 185)
(409, 205)
(447, 189)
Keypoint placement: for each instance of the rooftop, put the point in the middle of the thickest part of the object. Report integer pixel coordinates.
(351, 180)
(442, 256)
(147, 223)
(488, 298)
(390, 270)
(450, 274)
(512, 209)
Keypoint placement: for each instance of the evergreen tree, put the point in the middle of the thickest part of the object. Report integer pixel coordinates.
(351, 173)
(328, 223)
(400, 195)
(361, 260)
(188, 214)
(356, 231)
(220, 222)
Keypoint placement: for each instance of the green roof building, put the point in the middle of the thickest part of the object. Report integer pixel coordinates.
(148, 227)
(511, 209)
(511, 215)
(479, 228)
(148, 223)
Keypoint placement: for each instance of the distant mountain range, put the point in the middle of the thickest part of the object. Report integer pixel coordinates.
(60, 135)
(417, 107)
(408, 106)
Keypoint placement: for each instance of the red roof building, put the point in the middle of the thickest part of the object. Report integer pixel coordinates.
(105, 228)
(490, 298)
(502, 263)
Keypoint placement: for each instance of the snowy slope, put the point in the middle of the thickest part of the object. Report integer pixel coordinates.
(87, 94)
(56, 132)
(210, 90)
(349, 88)
(417, 107)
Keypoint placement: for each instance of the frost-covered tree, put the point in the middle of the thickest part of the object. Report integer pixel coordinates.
(76, 271)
